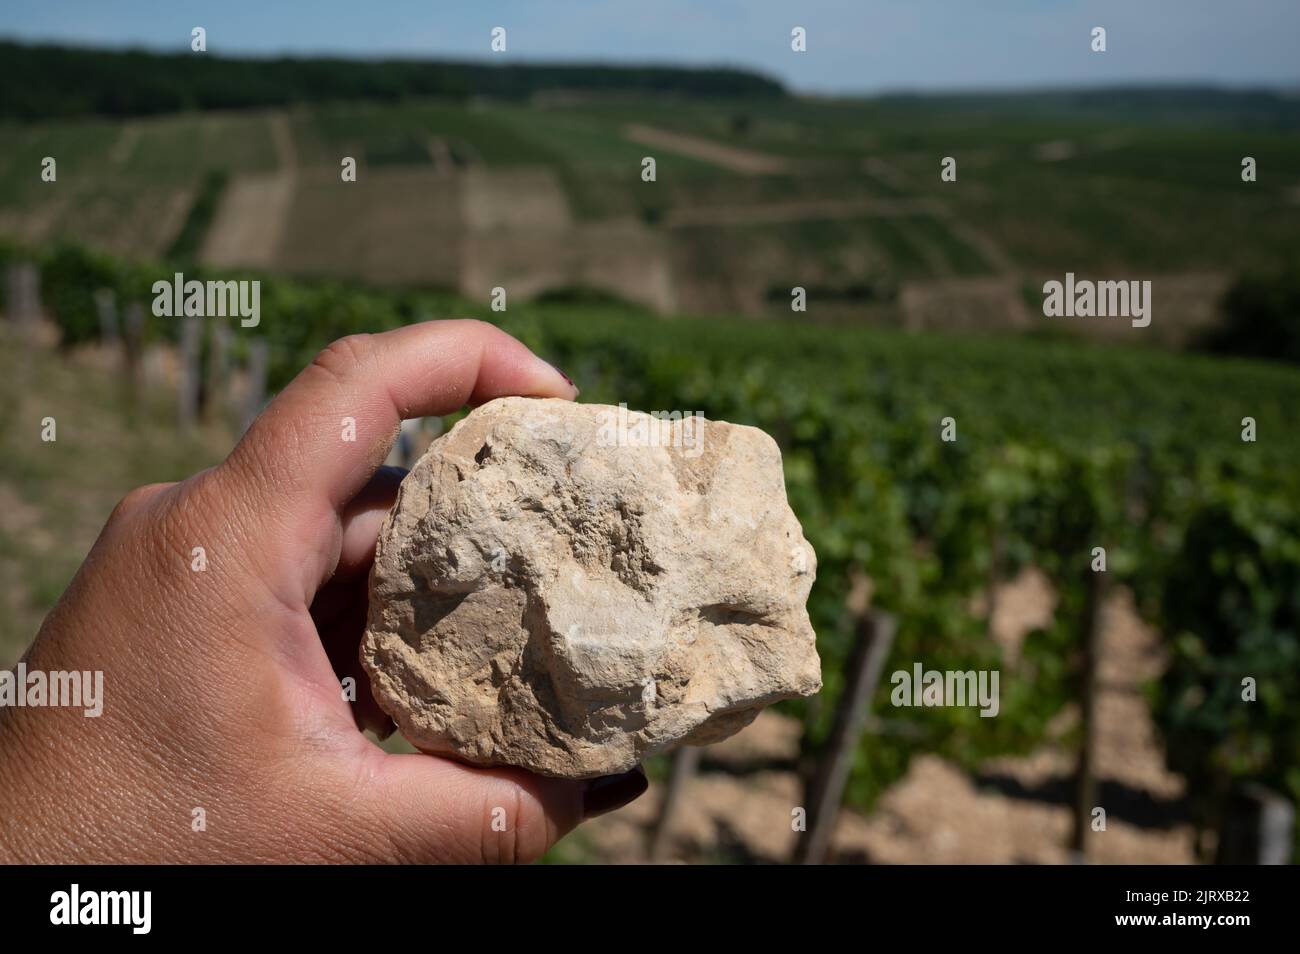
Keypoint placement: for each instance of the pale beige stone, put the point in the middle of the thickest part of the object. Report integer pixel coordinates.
(571, 588)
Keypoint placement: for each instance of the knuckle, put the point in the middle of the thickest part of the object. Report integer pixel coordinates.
(190, 499)
(173, 517)
(341, 359)
(484, 330)
(135, 501)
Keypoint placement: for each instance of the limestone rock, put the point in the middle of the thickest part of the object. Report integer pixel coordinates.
(570, 588)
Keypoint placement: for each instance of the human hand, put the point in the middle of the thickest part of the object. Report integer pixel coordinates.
(222, 687)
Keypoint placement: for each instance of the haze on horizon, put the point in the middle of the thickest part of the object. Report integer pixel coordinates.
(869, 46)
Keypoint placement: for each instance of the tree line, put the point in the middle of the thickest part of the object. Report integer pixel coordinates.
(64, 81)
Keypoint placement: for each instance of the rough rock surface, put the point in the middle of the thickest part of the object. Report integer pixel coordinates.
(572, 587)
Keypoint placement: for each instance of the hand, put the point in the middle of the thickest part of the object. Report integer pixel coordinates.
(222, 694)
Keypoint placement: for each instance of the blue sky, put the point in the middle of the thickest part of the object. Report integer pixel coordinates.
(853, 45)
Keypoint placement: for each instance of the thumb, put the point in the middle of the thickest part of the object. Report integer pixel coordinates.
(440, 811)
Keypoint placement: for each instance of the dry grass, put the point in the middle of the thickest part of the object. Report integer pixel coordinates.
(55, 496)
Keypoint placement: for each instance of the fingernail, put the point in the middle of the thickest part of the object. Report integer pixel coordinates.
(566, 377)
(609, 792)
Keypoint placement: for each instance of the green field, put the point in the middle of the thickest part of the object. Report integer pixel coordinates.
(1138, 192)
(1060, 446)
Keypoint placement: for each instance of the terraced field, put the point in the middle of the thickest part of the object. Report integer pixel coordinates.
(750, 198)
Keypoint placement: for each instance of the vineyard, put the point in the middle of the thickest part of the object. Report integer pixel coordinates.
(754, 194)
(927, 468)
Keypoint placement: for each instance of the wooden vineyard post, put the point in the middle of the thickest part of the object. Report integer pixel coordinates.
(13, 294)
(407, 449)
(187, 395)
(23, 295)
(216, 394)
(33, 274)
(106, 312)
(995, 570)
(256, 394)
(825, 792)
(31, 298)
(685, 762)
(1085, 782)
(132, 347)
(1259, 828)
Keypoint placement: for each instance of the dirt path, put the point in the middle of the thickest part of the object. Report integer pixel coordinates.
(444, 163)
(286, 153)
(250, 222)
(744, 161)
(124, 146)
(1017, 809)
